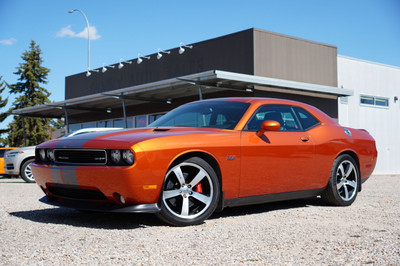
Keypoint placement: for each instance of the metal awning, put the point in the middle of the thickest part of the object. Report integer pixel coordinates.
(170, 89)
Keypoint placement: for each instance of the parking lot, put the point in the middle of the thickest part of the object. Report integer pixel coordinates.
(292, 232)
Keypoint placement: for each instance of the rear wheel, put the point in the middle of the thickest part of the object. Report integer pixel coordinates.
(26, 171)
(343, 184)
(190, 193)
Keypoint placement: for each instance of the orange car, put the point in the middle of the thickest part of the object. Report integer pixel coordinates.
(2, 152)
(208, 155)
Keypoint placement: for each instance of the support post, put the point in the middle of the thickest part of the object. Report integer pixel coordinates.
(66, 119)
(23, 129)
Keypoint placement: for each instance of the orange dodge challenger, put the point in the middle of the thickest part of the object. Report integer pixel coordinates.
(207, 155)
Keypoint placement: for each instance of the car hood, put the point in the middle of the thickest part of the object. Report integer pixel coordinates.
(124, 138)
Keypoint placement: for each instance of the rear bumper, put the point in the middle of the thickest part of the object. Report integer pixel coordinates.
(100, 206)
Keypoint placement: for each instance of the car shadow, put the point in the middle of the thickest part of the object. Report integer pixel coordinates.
(112, 221)
(268, 207)
(97, 220)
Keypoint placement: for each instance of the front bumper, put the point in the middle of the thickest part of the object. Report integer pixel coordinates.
(102, 207)
(11, 165)
(10, 169)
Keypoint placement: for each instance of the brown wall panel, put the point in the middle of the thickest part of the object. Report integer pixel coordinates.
(285, 57)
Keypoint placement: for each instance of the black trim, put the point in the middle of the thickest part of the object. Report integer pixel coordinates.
(272, 197)
(98, 206)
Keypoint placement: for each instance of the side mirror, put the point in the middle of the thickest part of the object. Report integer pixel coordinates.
(268, 125)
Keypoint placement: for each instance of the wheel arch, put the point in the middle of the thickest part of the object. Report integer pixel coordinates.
(356, 159)
(23, 161)
(211, 161)
(203, 155)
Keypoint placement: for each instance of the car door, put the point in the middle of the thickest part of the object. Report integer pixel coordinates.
(278, 161)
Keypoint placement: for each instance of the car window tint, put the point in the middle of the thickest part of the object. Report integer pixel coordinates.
(282, 114)
(307, 120)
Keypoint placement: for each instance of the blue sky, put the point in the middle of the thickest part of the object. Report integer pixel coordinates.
(365, 29)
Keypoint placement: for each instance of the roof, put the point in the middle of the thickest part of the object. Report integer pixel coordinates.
(170, 89)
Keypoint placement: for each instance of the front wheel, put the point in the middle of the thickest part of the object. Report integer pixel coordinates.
(26, 171)
(344, 181)
(190, 193)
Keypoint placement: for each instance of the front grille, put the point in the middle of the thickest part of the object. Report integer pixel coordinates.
(10, 166)
(78, 156)
(77, 193)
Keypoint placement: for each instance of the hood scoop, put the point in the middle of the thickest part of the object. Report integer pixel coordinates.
(160, 129)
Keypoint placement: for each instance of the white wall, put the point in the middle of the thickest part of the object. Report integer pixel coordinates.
(373, 79)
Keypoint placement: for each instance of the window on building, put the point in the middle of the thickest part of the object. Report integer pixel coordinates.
(74, 127)
(88, 125)
(154, 117)
(119, 123)
(140, 121)
(107, 123)
(374, 100)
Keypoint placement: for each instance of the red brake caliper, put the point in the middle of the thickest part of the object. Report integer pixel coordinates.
(198, 188)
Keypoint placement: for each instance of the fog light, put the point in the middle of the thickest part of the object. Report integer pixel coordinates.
(119, 198)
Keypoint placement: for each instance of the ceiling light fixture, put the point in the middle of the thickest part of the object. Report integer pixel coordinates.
(181, 49)
(160, 52)
(120, 65)
(104, 68)
(140, 56)
(89, 72)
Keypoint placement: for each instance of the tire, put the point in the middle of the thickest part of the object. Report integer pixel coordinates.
(26, 171)
(190, 193)
(343, 183)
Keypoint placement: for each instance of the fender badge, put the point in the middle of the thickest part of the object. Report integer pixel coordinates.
(231, 157)
(348, 133)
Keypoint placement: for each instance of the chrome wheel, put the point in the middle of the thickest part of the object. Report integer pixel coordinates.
(190, 193)
(346, 180)
(26, 172)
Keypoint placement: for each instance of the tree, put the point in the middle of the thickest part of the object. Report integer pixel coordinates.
(31, 75)
(4, 115)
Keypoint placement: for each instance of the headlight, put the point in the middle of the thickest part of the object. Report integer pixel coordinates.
(115, 156)
(50, 155)
(42, 154)
(127, 155)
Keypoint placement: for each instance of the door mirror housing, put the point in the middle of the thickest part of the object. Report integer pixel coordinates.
(268, 125)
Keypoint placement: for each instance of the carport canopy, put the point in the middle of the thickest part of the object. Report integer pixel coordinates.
(165, 91)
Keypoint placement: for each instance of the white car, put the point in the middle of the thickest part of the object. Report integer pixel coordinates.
(90, 130)
(17, 162)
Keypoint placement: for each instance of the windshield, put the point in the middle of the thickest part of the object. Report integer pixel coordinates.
(209, 114)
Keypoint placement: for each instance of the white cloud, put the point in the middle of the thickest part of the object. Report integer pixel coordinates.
(66, 31)
(10, 41)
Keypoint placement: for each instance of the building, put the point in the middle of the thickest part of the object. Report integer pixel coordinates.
(248, 63)
(374, 106)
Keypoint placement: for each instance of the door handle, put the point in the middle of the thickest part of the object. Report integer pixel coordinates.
(304, 139)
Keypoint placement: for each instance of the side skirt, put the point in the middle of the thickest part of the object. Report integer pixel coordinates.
(271, 197)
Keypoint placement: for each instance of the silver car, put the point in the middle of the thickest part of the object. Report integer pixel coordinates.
(17, 162)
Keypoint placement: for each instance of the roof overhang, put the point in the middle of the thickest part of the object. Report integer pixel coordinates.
(170, 89)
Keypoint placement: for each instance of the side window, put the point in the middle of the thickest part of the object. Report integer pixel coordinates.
(282, 114)
(306, 119)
